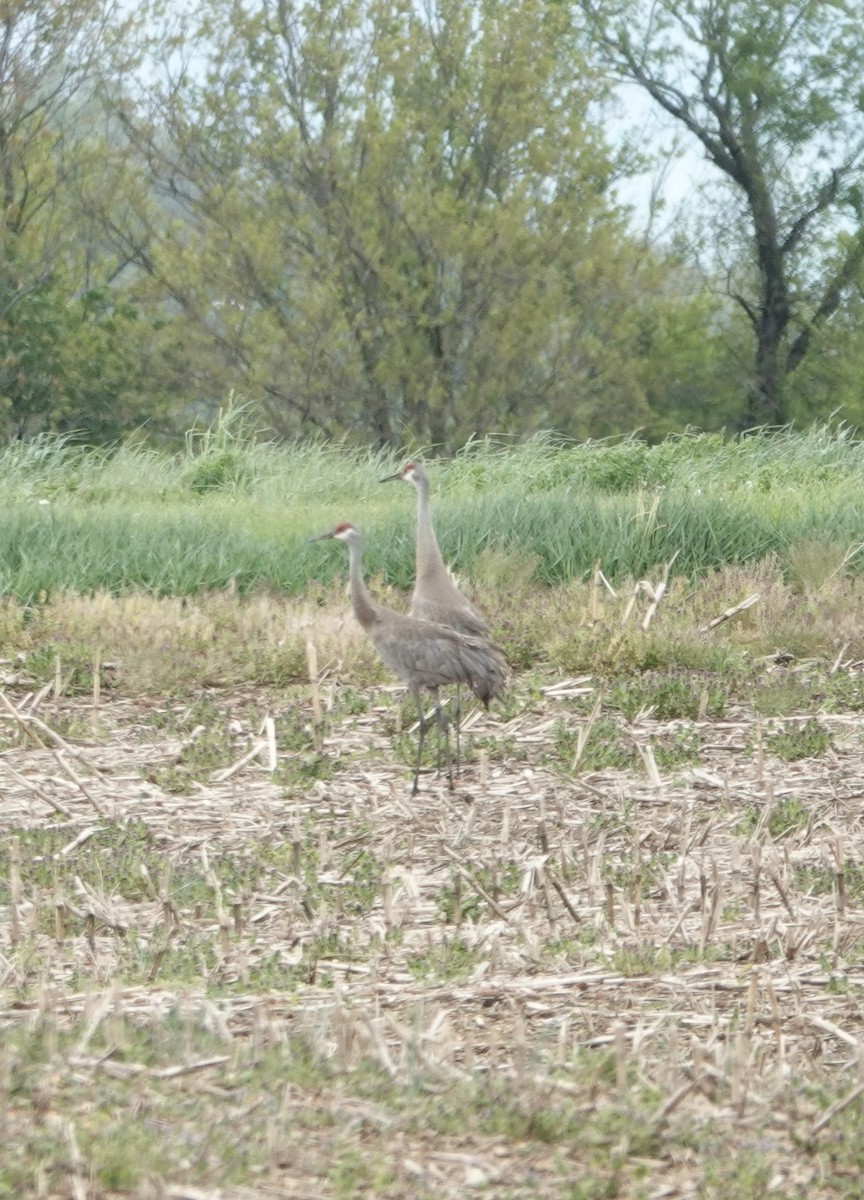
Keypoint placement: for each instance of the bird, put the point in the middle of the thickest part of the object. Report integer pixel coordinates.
(436, 596)
(425, 654)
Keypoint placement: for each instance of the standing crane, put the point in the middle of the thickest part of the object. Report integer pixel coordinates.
(436, 596)
(427, 655)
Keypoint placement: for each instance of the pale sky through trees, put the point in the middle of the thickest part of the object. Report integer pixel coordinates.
(677, 164)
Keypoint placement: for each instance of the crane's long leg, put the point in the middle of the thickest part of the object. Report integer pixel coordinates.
(457, 713)
(420, 742)
(440, 757)
(444, 728)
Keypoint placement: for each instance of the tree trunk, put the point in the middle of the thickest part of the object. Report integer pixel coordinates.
(766, 395)
(766, 403)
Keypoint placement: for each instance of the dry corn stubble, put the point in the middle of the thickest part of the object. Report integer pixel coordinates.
(638, 968)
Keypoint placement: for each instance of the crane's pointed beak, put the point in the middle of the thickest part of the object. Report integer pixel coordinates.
(321, 537)
(390, 478)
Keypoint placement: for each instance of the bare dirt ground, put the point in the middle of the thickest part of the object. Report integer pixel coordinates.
(668, 962)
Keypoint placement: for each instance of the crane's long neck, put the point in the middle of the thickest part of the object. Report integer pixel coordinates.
(430, 563)
(365, 608)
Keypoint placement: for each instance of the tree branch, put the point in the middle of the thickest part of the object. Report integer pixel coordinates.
(747, 307)
(832, 296)
(825, 196)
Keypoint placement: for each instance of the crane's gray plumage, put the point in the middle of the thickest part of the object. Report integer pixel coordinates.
(425, 654)
(436, 596)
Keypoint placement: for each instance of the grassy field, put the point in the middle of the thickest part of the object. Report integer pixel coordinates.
(234, 512)
(623, 959)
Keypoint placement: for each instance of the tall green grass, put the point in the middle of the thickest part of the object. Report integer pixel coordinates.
(234, 510)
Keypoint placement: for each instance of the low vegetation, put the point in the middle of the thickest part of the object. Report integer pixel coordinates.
(620, 960)
(235, 513)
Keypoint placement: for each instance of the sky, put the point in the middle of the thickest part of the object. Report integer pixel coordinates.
(675, 175)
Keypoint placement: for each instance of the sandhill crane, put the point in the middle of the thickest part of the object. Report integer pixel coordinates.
(436, 596)
(425, 654)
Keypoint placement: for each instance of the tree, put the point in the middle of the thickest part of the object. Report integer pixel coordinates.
(60, 327)
(395, 220)
(828, 382)
(774, 95)
(689, 352)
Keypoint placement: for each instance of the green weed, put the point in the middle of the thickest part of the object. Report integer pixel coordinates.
(209, 748)
(819, 881)
(667, 696)
(799, 740)
(787, 816)
(605, 746)
(780, 697)
(450, 959)
(676, 749)
(737, 1175)
(642, 960)
(643, 877)
(843, 692)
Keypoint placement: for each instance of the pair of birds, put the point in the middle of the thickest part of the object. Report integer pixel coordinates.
(445, 640)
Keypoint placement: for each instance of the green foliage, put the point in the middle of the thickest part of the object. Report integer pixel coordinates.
(455, 259)
(206, 751)
(221, 456)
(676, 749)
(828, 380)
(112, 859)
(641, 879)
(450, 959)
(843, 692)
(691, 345)
(774, 98)
(778, 697)
(799, 740)
(235, 512)
(740, 1176)
(68, 350)
(606, 746)
(822, 880)
(66, 365)
(28, 353)
(786, 817)
(667, 696)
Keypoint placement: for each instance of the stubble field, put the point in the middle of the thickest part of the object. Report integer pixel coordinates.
(622, 981)
(623, 958)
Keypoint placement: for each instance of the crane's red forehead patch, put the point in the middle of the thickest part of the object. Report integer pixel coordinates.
(342, 526)
(408, 467)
